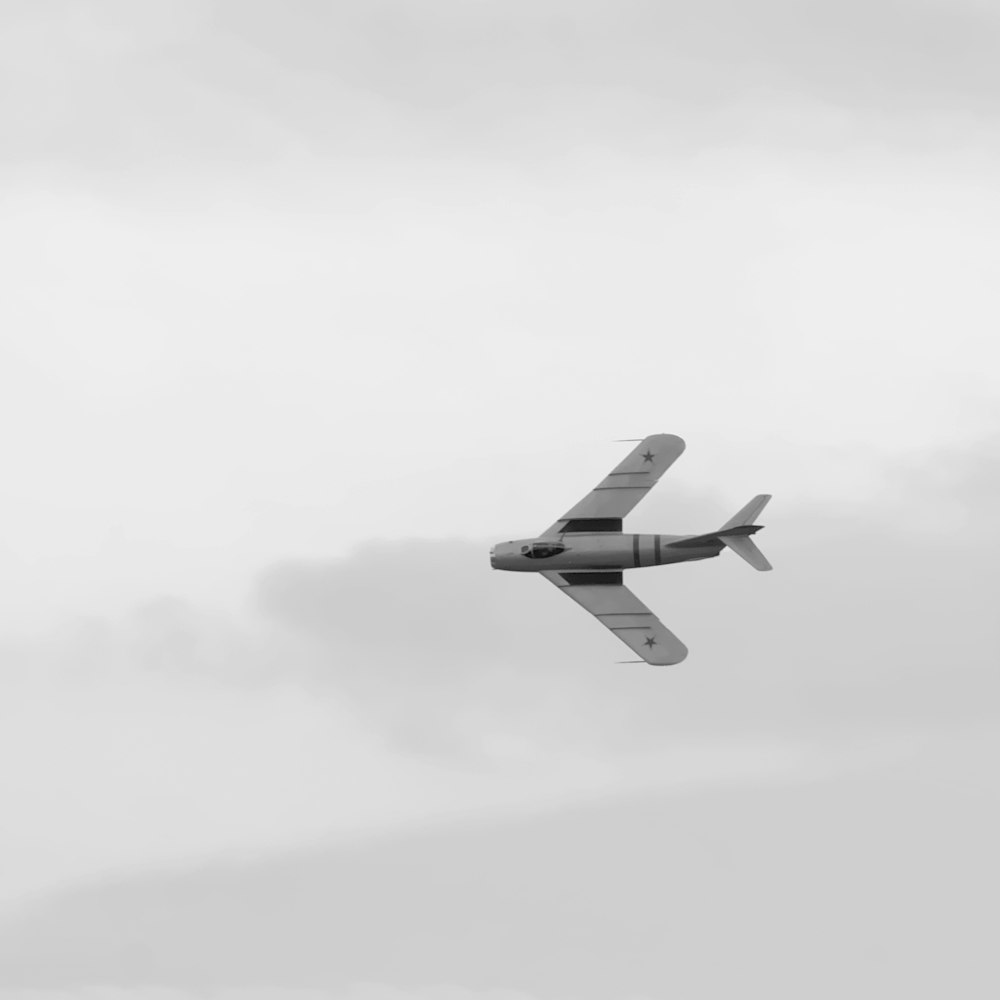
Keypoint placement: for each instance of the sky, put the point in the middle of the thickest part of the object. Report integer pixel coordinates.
(306, 306)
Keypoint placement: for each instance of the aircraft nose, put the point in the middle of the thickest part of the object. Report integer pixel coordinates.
(493, 552)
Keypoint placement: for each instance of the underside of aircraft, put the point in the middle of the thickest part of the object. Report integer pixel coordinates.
(586, 552)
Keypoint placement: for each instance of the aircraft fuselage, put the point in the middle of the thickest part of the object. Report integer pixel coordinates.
(597, 551)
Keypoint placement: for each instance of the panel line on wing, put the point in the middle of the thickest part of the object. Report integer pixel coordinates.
(657, 644)
(633, 486)
(611, 500)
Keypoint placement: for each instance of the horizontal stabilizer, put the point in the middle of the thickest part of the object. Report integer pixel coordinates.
(744, 547)
(736, 532)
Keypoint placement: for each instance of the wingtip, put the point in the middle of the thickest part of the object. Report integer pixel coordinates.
(668, 663)
(659, 663)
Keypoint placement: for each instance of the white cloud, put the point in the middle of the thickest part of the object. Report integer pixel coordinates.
(255, 315)
(222, 386)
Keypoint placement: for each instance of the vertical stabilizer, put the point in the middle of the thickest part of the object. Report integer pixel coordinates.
(749, 513)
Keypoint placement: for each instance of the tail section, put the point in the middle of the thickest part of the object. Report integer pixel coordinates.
(745, 549)
(749, 513)
(736, 532)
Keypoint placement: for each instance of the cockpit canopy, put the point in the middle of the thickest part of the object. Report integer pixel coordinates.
(542, 550)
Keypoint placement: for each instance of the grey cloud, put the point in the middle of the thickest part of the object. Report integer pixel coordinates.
(167, 635)
(440, 653)
(874, 627)
(875, 884)
(387, 78)
(363, 991)
(439, 55)
(491, 58)
(867, 621)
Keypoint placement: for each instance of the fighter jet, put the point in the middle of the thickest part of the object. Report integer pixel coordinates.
(585, 553)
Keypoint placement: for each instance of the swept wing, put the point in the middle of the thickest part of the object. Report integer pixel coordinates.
(615, 606)
(603, 508)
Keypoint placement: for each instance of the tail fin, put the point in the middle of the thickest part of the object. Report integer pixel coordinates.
(749, 513)
(736, 532)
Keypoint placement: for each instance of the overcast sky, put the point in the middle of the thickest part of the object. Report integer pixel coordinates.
(305, 305)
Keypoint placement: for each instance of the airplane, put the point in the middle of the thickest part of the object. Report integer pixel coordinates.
(585, 553)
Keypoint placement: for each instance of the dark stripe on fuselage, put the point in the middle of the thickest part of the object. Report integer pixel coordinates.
(656, 549)
(594, 524)
(635, 549)
(610, 579)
